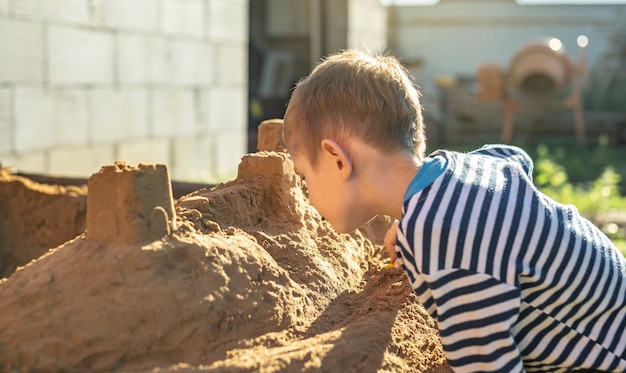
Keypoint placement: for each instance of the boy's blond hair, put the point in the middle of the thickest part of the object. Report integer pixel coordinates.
(355, 94)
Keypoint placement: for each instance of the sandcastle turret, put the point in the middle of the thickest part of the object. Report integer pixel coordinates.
(130, 204)
(270, 136)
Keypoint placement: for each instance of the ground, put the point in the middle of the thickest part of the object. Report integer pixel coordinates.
(251, 279)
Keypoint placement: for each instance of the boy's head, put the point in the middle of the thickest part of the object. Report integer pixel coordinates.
(355, 94)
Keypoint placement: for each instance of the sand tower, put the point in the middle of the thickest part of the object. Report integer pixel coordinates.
(271, 136)
(130, 205)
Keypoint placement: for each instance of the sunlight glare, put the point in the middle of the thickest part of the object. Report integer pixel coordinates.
(409, 2)
(570, 2)
(555, 44)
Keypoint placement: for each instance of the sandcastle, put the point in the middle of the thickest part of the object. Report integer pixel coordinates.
(245, 276)
(271, 136)
(130, 204)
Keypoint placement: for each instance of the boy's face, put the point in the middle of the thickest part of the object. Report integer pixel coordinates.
(318, 185)
(327, 192)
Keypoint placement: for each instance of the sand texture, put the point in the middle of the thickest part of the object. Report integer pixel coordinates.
(35, 217)
(246, 278)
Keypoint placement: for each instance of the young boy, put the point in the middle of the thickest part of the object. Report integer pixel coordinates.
(516, 281)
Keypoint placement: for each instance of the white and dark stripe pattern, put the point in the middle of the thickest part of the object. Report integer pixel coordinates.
(516, 281)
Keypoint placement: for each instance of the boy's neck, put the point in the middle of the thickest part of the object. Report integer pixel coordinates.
(383, 177)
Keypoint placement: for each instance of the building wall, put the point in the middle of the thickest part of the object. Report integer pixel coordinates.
(367, 25)
(455, 36)
(84, 83)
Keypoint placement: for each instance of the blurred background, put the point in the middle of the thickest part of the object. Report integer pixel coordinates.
(186, 82)
(84, 83)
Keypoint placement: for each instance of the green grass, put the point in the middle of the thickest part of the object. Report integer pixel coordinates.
(597, 193)
(585, 164)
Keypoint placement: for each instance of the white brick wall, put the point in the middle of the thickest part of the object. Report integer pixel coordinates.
(80, 55)
(367, 25)
(117, 115)
(79, 161)
(129, 15)
(144, 59)
(75, 11)
(33, 128)
(196, 154)
(68, 116)
(32, 162)
(232, 65)
(145, 151)
(183, 17)
(6, 108)
(227, 157)
(25, 62)
(174, 113)
(47, 118)
(226, 110)
(86, 82)
(158, 60)
(228, 20)
(192, 63)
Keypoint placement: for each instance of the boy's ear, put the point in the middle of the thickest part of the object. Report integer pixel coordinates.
(339, 157)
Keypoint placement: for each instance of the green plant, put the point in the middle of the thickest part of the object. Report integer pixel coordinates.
(598, 200)
(585, 164)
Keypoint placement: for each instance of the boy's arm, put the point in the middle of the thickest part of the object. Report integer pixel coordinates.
(475, 314)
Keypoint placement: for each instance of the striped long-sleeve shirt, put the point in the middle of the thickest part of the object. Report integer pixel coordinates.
(516, 281)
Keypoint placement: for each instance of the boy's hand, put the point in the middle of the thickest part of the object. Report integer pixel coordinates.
(390, 245)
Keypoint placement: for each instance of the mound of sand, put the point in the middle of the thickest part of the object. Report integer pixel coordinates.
(35, 217)
(250, 279)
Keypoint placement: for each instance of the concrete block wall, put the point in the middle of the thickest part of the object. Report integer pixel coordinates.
(84, 83)
(367, 25)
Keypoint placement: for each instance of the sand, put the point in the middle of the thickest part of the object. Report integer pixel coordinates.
(250, 279)
(35, 217)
